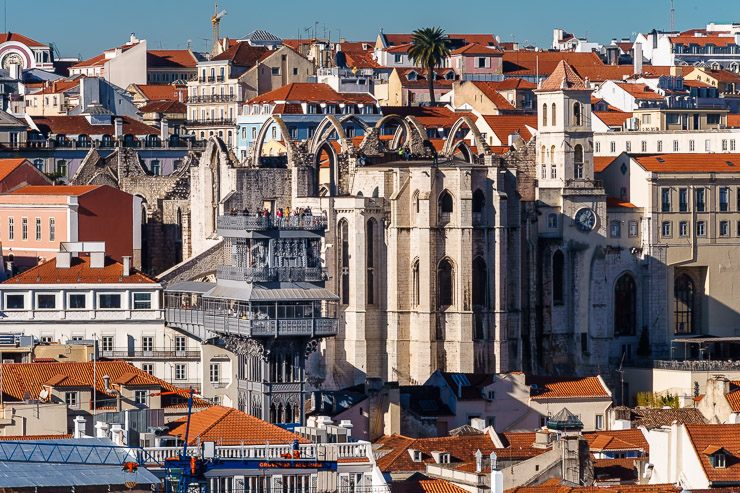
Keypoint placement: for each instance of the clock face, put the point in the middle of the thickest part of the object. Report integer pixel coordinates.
(585, 220)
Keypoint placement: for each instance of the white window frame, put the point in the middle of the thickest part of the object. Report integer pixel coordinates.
(69, 300)
(53, 295)
(72, 398)
(25, 301)
(181, 371)
(214, 376)
(120, 297)
(134, 302)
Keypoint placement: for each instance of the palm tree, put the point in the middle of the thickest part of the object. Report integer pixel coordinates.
(430, 47)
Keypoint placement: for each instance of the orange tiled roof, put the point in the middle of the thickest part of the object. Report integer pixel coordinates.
(613, 118)
(655, 418)
(690, 163)
(58, 86)
(310, 92)
(67, 190)
(490, 90)
(733, 120)
(79, 272)
(425, 486)
(244, 55)
(718, 436)
(393, 455)
(631, 439)
(615, 202)
(22, 379)
(733, 397)
(565, 78)
(601, 162)
(7, 166)
(78, 125)
(164, 107)
(566, 388)
(170, 59)
(229, 426)
(525, 62)
(504, 125)
(639, 91)
(361, 59)
(158, 92)
(5, 37)
(713, 39)
(477, 49)
(35, 437)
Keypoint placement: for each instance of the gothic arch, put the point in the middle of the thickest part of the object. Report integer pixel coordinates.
(322, 134)
(333, 185)
(408, 129)
(255, 153)
(355, 119)
(468, 153)
(343, 264)
(625, 305)
(445, 282)
(479, 141)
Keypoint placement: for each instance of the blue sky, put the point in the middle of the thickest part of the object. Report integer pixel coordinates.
(87, 27)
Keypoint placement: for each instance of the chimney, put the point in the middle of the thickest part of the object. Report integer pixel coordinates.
(15, 71)
(126, 266)
(164, 130)
(101, 429)
(118, 123)
(180, 96)
(637, 55)
(116, 433)
(347, 425)
(97, 260)
(64, 260)
(478, 423)
(79, 427)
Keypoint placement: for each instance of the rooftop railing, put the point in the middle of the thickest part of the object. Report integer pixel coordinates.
(258, 222)
(271, 274)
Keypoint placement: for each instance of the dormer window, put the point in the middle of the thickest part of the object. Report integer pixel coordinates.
(720, 461)
(412, 75)
(450, 75)
(416, 455)
(311, 109)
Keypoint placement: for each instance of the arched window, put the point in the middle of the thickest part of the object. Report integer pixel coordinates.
(578, 161)
(684, 297)
(445, 203)
(552, 154)
(415, 202)
(558, 264)
(554, 115)
(577, 114)
(415, 283)
(479, 201)
(343, 230)
(544, 115)
(480, 283)
(445, 284)
(544, 154)
(625, 306)
(370, 260)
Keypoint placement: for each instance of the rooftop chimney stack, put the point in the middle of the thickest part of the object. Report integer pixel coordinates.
(79, 427)
(638, 58)
(64, 260)
(126, 266)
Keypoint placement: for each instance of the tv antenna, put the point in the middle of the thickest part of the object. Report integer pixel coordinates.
(673, 18)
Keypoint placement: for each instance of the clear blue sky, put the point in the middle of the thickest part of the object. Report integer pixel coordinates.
(87, 27)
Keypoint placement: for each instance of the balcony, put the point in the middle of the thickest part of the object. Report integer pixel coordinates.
(213, 98)
(267, 274)
(241, 325)
(159, 353)
(256, 222)
(323, 452)
(215, 122)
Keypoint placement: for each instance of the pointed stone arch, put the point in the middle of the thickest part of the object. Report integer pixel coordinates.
(470, 156)
(355, 119)
(450, 143)
(323, 132)
(255, 152)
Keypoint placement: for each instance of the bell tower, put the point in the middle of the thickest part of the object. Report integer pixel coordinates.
(565, 137)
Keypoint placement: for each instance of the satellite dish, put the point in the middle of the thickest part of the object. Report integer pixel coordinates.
(43, 394)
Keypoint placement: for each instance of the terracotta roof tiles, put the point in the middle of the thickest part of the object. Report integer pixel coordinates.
(78, 125)
(474, 49)
(733, 121)
(170, 59)
(244, 55)
(703, 437)
(5, 37)
(310, 92)
(158, 92)
(490, 90)
(555, 487)
(690, 163)
(630, 439)
(27, 379)
(613, 118)
(164, 107)
(655, 418)
(228, 426)
(639, 91)
(425, 486)
(15, 438)
(7, 166)
(79, 272)
(567, 388)
(504, 125)
(564, 77)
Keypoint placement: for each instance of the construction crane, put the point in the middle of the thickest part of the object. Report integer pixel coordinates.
(216, 20)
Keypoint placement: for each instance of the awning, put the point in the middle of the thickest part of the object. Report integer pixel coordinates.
(190, 287)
